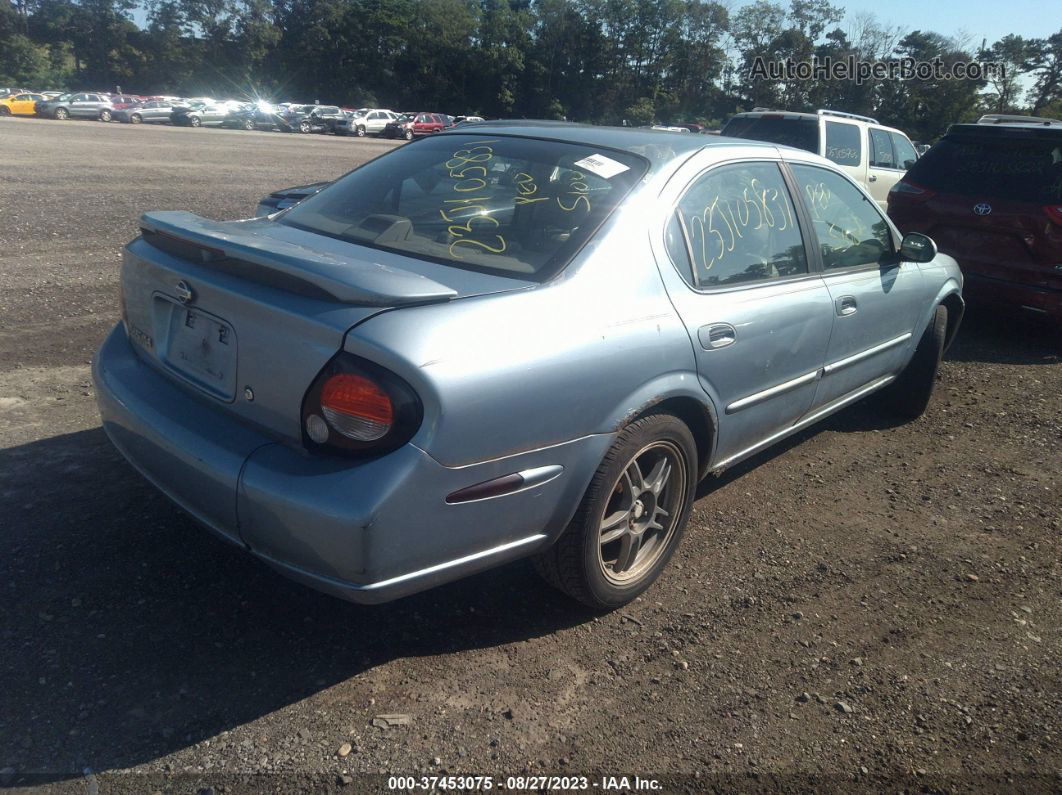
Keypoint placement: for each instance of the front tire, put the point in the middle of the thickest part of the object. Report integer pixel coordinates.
(105, 115)
(194, 121)
(361, 131)
(908, 396)
(62, 114)
(5, 110)
(408, 135)
(632, 516)
(135, 118)
(304, 127)
(248, 124)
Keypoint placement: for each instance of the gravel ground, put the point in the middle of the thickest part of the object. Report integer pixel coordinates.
(867, 606)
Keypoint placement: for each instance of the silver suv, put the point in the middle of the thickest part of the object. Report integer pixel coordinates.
(368, 122)
(83, 106)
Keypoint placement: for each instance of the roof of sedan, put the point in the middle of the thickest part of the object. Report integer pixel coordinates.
(658, 146)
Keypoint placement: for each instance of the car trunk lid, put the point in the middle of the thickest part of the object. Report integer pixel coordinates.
(247, 313)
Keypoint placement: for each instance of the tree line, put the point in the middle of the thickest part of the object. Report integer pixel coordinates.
(603, 61)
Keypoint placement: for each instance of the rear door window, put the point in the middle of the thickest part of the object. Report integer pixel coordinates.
(905, 151)
(507, 205)
(881, 154)
(1014, 166)
(736, 225)
(843, 146)
(797, 131)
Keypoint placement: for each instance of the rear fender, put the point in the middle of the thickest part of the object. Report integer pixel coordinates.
(681, 393)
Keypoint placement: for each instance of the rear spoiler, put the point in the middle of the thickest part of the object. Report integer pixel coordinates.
(234, 246)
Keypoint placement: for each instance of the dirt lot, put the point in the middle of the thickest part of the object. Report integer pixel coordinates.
(866, 606)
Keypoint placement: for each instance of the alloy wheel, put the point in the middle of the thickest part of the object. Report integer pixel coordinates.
(642, 513)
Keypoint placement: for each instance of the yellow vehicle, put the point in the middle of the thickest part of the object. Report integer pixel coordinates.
(19, 104)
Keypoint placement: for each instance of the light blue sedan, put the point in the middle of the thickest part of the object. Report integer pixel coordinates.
(509, 340)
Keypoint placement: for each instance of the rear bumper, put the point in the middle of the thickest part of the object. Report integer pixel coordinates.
(1035, 301)
(367, 531)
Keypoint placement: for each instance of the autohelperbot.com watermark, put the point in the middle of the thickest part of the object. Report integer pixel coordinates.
(852, 68)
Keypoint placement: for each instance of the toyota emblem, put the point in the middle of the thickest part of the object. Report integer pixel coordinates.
(184, 292)
(984, 208)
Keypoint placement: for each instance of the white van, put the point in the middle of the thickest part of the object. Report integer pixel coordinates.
(874, 155)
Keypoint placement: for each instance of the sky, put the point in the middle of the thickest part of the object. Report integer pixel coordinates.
(979, 19)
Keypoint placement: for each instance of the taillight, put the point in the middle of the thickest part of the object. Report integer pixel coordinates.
(911, 192)
(356, 406)
(1054, 212)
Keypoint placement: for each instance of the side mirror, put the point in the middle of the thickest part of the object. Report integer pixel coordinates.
(916, 247)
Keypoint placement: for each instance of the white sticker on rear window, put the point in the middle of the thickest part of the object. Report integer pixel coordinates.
(604, 167)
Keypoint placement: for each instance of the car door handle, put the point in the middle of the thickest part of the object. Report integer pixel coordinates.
(846, 305)
(716, 335)
(872, 178)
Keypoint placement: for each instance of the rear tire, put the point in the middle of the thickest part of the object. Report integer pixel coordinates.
(248, 124)
(105, 115)
(631, 519)
(408, 135)
(908, 396)
(62, 114)
(5, 110)
(304, 127)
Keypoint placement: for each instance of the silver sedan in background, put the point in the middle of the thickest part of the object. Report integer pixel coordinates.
(156, 111)
(517, 339)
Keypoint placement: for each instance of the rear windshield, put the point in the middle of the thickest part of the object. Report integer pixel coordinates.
(514, 206)
(797, 132)
(1010, 167)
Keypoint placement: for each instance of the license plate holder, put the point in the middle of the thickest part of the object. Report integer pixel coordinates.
(201, 348)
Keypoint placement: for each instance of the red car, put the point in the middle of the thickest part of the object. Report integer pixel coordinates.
(990, 195)
(427, 123)
(411, 125)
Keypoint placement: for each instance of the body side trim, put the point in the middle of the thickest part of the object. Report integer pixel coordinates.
(840, 364)
(808, 420)
(774, 391)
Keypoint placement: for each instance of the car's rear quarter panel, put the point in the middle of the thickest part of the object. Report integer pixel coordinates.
(521, 370)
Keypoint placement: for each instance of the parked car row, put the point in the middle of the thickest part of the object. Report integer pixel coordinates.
(209, 112)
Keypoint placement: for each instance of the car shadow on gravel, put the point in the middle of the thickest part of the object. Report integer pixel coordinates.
(991, 337)
(862, 417)
(130, 632)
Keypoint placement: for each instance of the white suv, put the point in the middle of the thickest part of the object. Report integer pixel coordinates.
(369, 121)
(874, 155)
